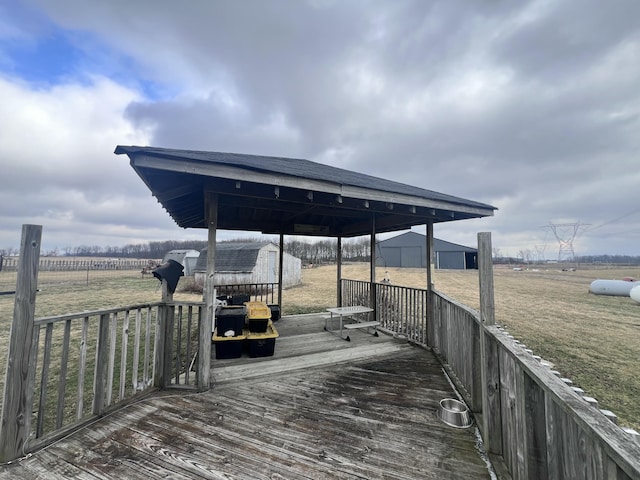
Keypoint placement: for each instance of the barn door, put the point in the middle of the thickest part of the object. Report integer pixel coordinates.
(272, 271)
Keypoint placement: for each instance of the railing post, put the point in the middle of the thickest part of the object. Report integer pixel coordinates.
(164, 339)
(22, 353)
(489, 357)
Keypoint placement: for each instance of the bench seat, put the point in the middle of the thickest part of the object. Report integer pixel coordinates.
(360, 325)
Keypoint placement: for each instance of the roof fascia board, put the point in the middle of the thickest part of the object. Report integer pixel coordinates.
(234, 173)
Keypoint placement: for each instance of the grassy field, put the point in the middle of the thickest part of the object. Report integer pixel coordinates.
(594, 340)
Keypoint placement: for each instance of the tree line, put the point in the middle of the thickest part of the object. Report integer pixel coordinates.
(310, 252)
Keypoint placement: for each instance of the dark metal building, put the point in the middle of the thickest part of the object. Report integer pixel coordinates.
(409, 250)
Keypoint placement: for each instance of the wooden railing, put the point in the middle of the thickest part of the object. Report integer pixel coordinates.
(92, 362)
(401, 311)
(541, 427)
(86, 364)
(259, 292)
(528, 416)
(454, 335)
(89, 361)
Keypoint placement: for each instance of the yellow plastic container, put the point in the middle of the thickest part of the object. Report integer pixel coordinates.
(257, 310)
(258, 316)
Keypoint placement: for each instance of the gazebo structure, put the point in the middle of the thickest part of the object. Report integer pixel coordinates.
(364, 417)
(286, 196)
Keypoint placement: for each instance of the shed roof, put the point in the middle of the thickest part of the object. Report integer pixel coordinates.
(288, 195)
(233, 256)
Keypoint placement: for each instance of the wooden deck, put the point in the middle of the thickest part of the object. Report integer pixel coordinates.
(321, 407)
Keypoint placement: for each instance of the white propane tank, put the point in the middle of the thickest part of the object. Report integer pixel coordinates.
(620, 288)
(635, 293)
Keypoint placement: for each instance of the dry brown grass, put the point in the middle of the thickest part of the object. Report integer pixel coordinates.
(592, 339)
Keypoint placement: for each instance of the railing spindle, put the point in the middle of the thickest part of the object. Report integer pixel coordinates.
(44, 379)
(123, 356)
(62, 378)
(136, 351)
(82, 368)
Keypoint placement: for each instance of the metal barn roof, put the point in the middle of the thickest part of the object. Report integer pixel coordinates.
(288, 195)
(418, 239)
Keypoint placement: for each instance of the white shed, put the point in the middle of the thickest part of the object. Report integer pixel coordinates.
(186, 258)
(249, 262)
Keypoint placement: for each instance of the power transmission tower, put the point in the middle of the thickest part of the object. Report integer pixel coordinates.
(565, 233)
(540, 252)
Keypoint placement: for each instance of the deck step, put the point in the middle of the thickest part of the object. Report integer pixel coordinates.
(360, 325)
(283, 365)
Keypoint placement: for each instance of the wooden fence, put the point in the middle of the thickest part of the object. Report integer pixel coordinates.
(69, 264)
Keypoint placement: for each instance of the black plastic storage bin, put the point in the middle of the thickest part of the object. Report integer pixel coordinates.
(238, 299)
(275, 312)
(228, 347)
(262, 344)
(230, 318)
(258, 316)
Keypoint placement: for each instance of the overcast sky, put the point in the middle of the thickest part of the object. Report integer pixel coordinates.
(530, 106)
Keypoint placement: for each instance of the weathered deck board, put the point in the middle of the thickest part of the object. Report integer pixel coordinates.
(359, 409)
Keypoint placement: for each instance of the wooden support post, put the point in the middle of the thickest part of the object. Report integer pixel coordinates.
(22, 353)
(206, 322)
(485, 270)
(429, 256)
(280, 271)
(489, 355)
(372, 260)
(339, 273)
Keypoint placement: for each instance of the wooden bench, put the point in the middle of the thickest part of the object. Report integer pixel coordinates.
(360, 325)
(351, 326)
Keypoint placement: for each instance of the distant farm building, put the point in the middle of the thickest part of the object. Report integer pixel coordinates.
(249, 262)
(186, 258)
(409, 250)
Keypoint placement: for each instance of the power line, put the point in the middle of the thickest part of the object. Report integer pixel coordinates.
(637, 210)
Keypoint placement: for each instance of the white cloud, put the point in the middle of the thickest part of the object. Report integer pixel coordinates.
(56, 155)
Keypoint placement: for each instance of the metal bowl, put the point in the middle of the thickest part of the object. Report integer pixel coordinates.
(454, 413)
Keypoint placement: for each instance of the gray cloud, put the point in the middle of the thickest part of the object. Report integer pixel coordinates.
(531, 106)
